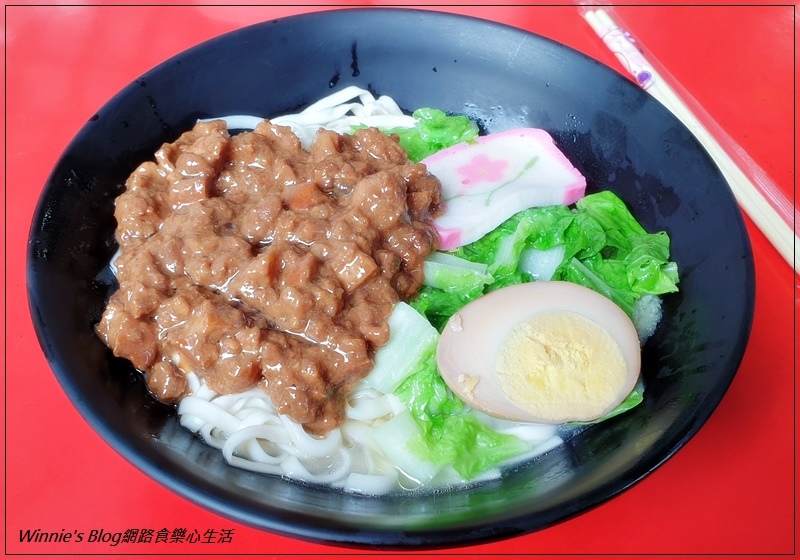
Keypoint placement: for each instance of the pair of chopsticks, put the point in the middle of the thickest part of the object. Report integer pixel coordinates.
(755, 192)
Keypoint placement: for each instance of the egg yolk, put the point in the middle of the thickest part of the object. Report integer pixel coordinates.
(562, 367)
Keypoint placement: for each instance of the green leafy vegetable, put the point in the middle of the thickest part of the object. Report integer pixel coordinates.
(451, 273)
(438, 305)
(605, 249)
(412, 339)
(500, 249)
(449, 434)
(450, 283)
(434, 131)
(631, 262)
(605, 281)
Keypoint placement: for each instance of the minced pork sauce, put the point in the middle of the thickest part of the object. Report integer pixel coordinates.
(247, 259)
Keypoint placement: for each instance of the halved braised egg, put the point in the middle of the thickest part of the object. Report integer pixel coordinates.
(546, 352)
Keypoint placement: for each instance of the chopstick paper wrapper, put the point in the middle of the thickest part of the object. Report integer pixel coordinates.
(755, 192)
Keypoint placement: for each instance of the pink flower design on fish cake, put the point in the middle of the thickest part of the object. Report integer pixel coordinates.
(481, 168)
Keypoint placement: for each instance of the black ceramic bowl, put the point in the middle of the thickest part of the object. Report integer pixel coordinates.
(617, 135)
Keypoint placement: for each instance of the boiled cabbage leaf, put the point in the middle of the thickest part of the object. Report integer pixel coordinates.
(449, 433)
(605, 249)
(433, 131)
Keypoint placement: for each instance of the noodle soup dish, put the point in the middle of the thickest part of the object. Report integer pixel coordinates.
(386, 311)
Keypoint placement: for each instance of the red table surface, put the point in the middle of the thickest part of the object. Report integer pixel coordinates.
(730, 490)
